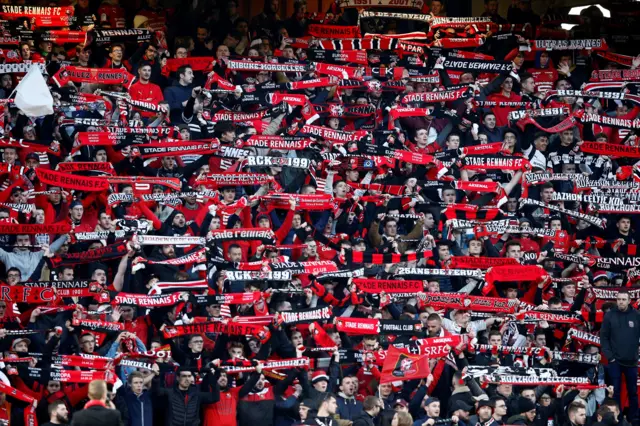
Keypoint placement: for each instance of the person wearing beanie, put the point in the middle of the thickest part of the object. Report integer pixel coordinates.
(307, 410)
(484, 413)
(526, 413)
(319, 384)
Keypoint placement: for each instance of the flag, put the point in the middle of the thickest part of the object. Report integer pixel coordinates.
(400, 366)
(32, 94)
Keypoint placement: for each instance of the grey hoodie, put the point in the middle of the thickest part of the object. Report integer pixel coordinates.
(27, 261)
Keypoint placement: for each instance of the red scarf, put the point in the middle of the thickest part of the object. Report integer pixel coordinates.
(94, 403)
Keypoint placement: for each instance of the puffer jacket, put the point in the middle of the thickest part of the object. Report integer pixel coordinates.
(183, 407)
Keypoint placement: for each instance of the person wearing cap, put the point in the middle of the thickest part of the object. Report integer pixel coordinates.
(307, 409)
(20, 345)
(431, 407)
(32, 160)
(319, 385)
(526, 410)
(462, 323)
(401, 405)
(461, 411)
(461, 392)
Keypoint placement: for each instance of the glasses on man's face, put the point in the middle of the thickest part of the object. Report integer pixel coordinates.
(197, 342)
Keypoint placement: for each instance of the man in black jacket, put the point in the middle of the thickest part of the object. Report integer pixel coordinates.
(620, 336)
(95, 412)
(372, 407)
(184, 399)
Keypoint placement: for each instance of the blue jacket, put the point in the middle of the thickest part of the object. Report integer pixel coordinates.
(348, 408)
(140, 408)
(175, 95)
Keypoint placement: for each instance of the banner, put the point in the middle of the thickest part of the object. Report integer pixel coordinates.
(571, 44)
(465, 302)
(364, 326)
(305, 316)
(112, 76)
(80, 288)
(28, 229)
(23, 294)
(280, 364)
(262, 234)
(97, 325)
(604, 148)
(69, 181)
(473, 262)
(333, 31)
(147, 301)
(512, 273)
(402, 366)
(374, 286)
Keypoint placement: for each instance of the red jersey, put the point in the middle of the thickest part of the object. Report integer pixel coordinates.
(114, 15)
(148, 92)
(157, 20)
(502, 113)
(223, 412)
(543, 78)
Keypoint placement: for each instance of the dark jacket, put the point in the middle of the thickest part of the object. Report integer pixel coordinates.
(97, 416)
(519, 420)
(463, 393)
(619, 335)
(183, 407)
(363, 419)
(348, 408)
(175, 95)
(140, 408)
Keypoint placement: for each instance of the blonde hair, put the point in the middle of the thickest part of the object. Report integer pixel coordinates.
(98, 390)
(404, 419)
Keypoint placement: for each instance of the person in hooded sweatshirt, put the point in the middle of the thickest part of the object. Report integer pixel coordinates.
(544, 73)
(619, 336)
